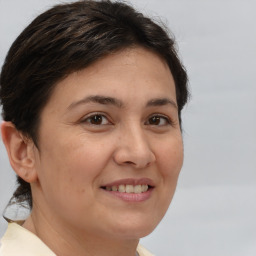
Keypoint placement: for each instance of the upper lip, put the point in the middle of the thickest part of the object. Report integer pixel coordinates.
(131, 181)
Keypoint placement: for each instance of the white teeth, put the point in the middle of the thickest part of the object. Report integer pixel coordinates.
(121, 188)
(129, 188)
(144, 188)
(137, 189)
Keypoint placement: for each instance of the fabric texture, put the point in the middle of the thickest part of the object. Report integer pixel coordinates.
(18, 241)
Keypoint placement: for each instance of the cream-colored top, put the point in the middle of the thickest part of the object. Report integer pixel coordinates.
(18, 241)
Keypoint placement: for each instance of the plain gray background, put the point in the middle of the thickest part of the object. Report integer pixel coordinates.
(214, 210)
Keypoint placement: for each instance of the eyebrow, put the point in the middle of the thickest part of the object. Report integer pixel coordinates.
(97, 99)
(104, 100)
(161, 102)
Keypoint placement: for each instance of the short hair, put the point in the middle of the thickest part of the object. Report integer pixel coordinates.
(68, 38)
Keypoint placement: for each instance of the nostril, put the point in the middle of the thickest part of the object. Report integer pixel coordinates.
(134, 158)
(129, 162)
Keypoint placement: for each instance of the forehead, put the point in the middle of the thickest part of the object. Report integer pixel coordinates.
(135, 70)
(130, 59)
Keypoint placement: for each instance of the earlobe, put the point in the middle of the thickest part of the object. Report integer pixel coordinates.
(20, 152)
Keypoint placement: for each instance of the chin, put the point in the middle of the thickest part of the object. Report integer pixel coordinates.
(135, 229)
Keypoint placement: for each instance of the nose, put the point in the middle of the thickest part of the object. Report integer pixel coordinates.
(133, 149)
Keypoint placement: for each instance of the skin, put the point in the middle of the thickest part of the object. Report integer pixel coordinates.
(136, 135)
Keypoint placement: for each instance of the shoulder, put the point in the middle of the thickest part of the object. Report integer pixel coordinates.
(18, 241)
(143, 251)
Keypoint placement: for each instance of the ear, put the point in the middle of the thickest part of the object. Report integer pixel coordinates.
(21, 152)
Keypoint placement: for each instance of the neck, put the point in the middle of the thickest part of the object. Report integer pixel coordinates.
(66, 241)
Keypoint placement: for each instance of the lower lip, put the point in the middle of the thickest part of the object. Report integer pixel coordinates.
(131, 197)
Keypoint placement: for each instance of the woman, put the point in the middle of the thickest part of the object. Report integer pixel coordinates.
(92, 94)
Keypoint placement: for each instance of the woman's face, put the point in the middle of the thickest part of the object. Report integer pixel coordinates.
(110, 128)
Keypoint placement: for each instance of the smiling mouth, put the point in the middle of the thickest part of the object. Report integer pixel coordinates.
(135, 189)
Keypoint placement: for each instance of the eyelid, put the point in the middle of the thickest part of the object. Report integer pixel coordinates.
(90, 115)
(167, 118)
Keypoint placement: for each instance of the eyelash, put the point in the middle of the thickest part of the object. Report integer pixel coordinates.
(91, 116)
(167, 120)
(101, 116)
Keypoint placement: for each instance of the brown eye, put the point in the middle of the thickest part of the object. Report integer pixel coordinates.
(96, 120)
(158, 120)
(155, 120)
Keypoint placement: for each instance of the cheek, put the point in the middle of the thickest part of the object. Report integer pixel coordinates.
(67, 176)
(170, 163)
(171, 158)
(75, 164)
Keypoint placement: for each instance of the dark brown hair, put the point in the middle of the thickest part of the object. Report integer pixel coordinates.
(67, 38)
